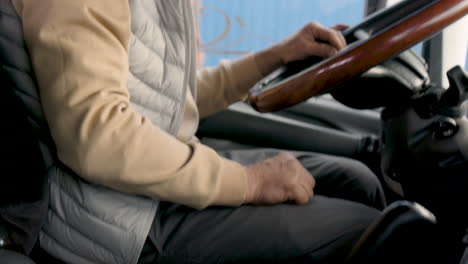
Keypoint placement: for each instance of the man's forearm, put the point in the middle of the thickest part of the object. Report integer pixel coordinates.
(268, 60)
(225, 84)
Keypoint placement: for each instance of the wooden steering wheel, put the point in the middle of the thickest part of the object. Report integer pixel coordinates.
(376, 39)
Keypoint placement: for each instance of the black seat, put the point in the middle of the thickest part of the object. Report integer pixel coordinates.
(13, 257)
(23, 183)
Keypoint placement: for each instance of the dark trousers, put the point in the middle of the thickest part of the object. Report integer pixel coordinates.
(347, 194)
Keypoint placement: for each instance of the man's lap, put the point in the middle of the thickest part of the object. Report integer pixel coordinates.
(323, 230)
(335, 176)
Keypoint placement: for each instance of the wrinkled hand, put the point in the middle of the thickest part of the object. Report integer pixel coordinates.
(279, 179)
(312, 40)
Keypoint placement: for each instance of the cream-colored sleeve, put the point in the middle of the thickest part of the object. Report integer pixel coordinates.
(79, 51)
(220, 86)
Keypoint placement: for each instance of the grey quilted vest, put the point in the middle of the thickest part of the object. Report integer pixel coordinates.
(92, 224)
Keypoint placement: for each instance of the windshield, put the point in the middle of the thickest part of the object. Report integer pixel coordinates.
(230, 29)
(233, 28)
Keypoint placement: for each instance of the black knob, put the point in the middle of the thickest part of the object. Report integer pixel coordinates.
(457, 92)
(445, 128)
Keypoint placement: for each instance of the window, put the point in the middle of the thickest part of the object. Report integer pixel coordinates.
(232, 28)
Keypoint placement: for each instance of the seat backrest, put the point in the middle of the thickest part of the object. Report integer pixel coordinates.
(11, 257)
(22, 165)
(23, 188)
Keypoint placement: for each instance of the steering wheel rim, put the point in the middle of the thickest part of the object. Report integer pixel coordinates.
(415, 23)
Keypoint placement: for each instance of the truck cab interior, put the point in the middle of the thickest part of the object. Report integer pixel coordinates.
(401, 113)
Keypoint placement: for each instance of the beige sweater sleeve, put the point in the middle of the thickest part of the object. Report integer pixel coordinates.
(79, 51)
(225, 84)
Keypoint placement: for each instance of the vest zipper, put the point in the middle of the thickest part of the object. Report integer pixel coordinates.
(189, 60)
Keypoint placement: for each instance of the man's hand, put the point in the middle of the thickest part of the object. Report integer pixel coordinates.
(312, 40)
(277, 180)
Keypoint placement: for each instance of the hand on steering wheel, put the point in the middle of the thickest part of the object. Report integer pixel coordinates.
(381, 36)
(312, 40)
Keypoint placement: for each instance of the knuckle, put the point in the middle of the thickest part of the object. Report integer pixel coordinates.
(313, 24)
(291, 164)
(311, 27)
(287, 158)
(284, 153)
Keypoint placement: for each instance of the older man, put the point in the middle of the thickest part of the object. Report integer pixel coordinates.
(122, 98)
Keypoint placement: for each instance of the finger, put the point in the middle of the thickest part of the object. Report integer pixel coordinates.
(330, 36)
(338, 39)
(307, 178)
(341, 37)
(310, 185)
(340, 27)
(310, 180)
(303, 190)
(301, 195)
(322, 50)
(311, 194)
(308, 188)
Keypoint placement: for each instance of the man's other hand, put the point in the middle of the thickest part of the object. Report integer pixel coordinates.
(279, 179)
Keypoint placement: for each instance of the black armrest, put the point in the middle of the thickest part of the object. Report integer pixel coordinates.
(240, 123)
